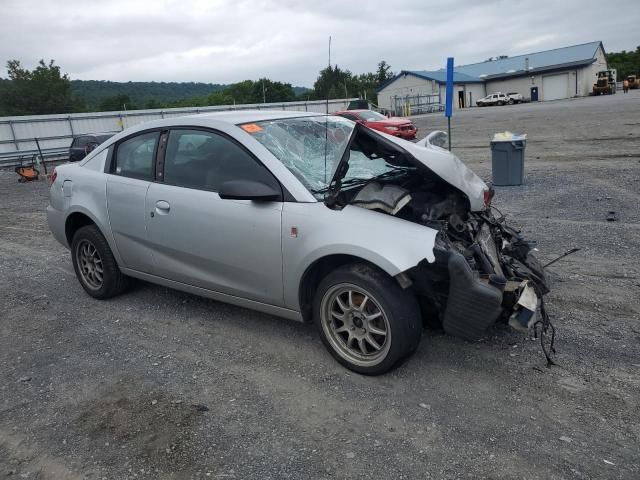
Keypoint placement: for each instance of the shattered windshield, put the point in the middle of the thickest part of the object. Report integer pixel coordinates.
(311, 147)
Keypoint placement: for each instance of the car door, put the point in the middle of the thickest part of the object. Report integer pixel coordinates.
(228, 246)
(130, 172)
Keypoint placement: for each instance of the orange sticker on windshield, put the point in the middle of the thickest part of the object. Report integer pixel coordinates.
(251, 127)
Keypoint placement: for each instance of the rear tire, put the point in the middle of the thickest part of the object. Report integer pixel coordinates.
(94, 264)
(366, 321)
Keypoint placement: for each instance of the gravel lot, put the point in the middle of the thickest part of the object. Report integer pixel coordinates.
(161, 384)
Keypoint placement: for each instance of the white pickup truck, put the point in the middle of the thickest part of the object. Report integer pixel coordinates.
(516, 97)
(497, 98)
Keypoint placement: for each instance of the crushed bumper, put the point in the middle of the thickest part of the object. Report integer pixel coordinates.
(472, 305)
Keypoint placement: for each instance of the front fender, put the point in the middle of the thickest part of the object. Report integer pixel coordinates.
(392, 244)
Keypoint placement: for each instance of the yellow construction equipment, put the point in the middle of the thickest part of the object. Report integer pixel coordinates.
(606, 83)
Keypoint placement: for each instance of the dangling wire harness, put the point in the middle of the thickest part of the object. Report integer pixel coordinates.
(546, 327)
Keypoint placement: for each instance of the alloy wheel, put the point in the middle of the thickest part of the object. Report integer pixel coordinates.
(355, 324)
(89, 264)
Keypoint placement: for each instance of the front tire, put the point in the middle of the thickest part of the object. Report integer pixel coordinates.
(94, 264)
(366, 321)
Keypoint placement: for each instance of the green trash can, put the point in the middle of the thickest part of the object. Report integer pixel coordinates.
(507, 158)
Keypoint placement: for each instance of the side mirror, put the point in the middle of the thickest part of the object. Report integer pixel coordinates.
(437, 139)
(249, 190)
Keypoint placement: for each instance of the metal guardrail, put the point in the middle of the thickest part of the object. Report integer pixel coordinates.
(28, 157)
(56, 131)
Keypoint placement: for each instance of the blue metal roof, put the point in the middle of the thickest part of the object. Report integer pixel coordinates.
(573, 56)
(576, 54)
(439, 76)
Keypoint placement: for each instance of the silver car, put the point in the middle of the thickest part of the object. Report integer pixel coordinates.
(304, 216)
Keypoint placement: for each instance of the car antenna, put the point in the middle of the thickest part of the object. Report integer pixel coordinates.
(326, 123)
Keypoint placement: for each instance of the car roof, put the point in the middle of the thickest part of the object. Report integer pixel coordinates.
(244, 116)
(232, 117)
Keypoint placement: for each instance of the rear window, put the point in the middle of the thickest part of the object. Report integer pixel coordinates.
(371, 116)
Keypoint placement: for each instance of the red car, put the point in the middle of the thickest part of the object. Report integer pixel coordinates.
(396, 126)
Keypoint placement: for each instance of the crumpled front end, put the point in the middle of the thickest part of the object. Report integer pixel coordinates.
(484, 271)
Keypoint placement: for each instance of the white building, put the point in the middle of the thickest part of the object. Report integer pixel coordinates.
(549, 75)
(431, 85)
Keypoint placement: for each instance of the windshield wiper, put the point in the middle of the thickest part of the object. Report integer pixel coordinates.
(361, 181)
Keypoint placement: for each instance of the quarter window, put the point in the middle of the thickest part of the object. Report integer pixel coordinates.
(205, 160)
(135, 156)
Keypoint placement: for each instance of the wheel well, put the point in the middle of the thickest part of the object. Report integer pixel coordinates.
(315, 273)
(74, 222)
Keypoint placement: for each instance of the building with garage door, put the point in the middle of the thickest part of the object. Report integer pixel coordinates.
(549, 75)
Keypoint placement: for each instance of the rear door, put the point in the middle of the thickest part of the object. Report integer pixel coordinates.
(130, 173)
(197, 238)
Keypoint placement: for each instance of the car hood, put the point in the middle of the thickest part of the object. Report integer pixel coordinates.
(448, 167)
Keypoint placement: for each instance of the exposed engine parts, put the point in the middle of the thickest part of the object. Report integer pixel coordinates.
(487, 271)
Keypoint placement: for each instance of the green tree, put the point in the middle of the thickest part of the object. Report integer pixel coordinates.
(383, 73)
(43, 90)
(241, 92)
(626, 63)
(332, 82)
(270, 91)
(116, 103)
(153, 104)
(219, 98)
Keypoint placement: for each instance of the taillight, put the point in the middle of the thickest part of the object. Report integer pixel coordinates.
(53, 177)
(488, 196)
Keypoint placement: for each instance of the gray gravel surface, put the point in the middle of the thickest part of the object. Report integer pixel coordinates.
(162, 384)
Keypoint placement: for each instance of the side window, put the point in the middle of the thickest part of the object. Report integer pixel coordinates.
(205, 160)
(135, 156)
(80, 142)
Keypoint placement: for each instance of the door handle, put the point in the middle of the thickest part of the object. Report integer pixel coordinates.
(162, 207)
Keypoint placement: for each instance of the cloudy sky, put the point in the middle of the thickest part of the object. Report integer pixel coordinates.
(222, 41)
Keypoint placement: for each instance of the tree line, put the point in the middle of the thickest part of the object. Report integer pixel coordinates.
(46, 90)
(625, 63)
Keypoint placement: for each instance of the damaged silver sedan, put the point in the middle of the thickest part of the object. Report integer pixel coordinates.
(305, 216)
